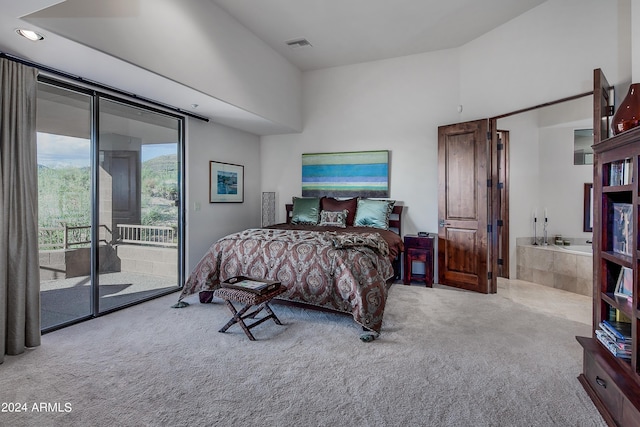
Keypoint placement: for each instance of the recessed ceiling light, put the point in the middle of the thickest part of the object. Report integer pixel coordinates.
(29, 34)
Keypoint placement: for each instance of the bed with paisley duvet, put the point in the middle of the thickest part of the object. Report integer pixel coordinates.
(330, 254)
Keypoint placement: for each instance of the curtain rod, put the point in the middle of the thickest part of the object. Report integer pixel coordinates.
(99, 85)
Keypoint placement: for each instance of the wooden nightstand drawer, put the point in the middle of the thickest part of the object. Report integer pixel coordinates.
(418, 242)
(417, 254)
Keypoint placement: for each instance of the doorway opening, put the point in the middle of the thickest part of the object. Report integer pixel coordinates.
(547, 194)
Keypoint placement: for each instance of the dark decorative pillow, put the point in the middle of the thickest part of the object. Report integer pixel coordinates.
(306, 210)
(335, 205)
(371, 240)
(333, 219)
(374, 213)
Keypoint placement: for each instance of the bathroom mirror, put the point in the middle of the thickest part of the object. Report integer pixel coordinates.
(582, 151)
(588, 208)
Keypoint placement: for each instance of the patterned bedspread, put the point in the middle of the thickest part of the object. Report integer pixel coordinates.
(341, 271)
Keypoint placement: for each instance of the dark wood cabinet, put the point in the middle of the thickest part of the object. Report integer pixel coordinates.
(418, 249)
(613, 381)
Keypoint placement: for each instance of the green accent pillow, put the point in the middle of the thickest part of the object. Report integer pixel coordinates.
(306, 210)
(374, 213)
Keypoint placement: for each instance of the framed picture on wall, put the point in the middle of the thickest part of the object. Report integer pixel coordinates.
(226, 183)
(346, 174)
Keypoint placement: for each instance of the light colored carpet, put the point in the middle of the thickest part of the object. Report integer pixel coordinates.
(445, 358)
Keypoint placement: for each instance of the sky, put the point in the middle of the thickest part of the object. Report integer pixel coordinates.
(60, 151)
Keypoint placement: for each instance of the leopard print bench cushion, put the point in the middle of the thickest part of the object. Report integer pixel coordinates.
(246, 297)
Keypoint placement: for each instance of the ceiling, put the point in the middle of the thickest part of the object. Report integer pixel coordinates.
(341, 32)
(344, 32)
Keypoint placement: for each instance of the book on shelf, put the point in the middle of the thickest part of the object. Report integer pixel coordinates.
(621, 317)
(611, 335)
(621, 172)
(624, 286)
(622, 228)
(252, 285)
(627, 346)
(620, 331)
(612, 346)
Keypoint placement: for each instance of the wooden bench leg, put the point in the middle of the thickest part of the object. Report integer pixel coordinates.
(240, 316)
(272, 315)
(237, 318)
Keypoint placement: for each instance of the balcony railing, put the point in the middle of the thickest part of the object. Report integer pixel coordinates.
(66, 237)
(63, 237)
(147, 235)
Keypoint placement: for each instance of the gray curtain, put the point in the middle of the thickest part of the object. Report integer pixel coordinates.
(19, 264)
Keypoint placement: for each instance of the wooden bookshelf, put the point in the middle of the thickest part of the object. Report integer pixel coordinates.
(613, 382)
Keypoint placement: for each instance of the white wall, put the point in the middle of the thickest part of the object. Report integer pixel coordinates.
(546, 54)
(397, 104)
(524, 182)
(206, 142)
(562, 183)
(393, 105)
(223, 58)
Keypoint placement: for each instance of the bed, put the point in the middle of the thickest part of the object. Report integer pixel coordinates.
(344, 259)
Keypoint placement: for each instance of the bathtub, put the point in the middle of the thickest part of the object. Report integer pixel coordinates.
(586, 249)
(569, 268)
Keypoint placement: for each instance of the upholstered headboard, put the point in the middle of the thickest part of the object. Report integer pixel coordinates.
(395, 220)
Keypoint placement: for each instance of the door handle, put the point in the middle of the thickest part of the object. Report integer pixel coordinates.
(443, 223)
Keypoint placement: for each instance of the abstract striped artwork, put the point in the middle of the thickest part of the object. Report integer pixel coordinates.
(349, 174)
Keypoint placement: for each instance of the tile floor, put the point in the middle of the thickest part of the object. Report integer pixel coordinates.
(558, 302)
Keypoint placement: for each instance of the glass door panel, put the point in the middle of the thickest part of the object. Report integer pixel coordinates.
(138, 209)
(63, 126)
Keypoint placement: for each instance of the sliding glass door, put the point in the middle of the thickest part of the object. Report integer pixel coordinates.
(64, 204)
(109, 176)
(137, 203)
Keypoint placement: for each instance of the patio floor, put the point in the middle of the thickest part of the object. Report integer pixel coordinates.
(65, 300)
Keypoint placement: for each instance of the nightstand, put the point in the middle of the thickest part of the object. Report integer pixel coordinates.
(418, 249)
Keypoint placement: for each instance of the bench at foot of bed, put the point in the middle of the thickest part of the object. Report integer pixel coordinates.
(249, 299)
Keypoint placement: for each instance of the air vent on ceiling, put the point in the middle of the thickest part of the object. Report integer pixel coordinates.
(299, 44)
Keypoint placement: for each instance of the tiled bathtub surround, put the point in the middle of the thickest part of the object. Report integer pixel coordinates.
(555, 267)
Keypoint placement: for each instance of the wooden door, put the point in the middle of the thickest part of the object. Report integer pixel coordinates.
(602, 106)
(501, 222)
(463, 206)
(123, 168)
